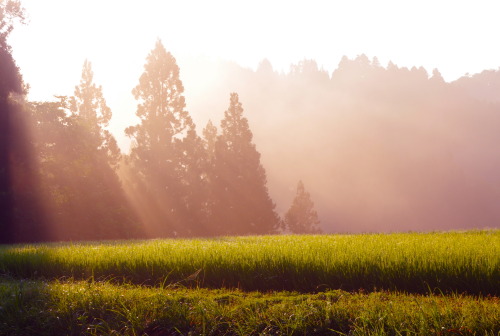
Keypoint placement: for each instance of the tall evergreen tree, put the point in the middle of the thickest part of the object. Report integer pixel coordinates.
(98, 155)
(194, 185)
(209, 140)
(242, 202)
(160, 153)
(302, 217)
(92, 112)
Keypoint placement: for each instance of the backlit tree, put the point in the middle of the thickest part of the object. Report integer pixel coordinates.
(242, 202)
(302, 217)
(20, 217)
(92, 112)
(160, 155)
(81, 191)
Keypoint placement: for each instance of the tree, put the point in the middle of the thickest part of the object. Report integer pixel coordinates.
(301, 217)
(82, 193)
(160, 155)
(308, 69)
(265, 67)
(10, 77)
(209, 140)
(242, 204)
(12, 138)
(92, 112)
(437, 77)
(87, 194)
(10, 12)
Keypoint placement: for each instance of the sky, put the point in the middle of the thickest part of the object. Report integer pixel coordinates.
(457, 37)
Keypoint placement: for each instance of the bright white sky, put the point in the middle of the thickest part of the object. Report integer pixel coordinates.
(116, 35)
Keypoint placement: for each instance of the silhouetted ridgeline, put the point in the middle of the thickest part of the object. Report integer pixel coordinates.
(380, 148)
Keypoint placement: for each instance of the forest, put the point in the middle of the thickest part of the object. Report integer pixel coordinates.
(66, 179)
(366, 148)
(380, 148)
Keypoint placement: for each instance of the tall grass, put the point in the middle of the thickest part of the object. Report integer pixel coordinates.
(101, 308)
(416, 262)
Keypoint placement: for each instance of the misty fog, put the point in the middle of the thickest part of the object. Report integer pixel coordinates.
(380, 148)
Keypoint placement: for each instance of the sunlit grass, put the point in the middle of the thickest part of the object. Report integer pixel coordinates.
(101, 308)
(416, 262)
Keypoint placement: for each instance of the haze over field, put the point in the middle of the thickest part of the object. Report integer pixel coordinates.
(389, 112)
(455, 37)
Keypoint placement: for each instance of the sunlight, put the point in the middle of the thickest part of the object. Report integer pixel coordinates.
(385, 125)
(115, 37)
(212, 156)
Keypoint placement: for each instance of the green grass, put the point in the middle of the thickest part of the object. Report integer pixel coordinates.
(460, 262)
(101, 308)
(99, 288)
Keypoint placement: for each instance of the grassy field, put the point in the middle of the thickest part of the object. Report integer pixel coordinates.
(101, 308)
(467, 262)
(397, 284)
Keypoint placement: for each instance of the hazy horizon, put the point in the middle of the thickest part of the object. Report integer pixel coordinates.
(386, 112)
(60, 34)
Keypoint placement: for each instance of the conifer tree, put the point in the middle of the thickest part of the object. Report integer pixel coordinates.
(437, 77)
(302, 217)
(242, 204)
(209, 140)
(164, 144)
(194, 185)
(93, 114)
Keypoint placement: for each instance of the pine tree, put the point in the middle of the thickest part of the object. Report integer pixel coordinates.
(437, 77)
(194, 185)
(209, 140)
(92, 112)
(301, 217)
(242, 204)
(160, 153)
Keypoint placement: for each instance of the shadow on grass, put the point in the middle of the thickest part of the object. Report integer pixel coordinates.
(44, 262)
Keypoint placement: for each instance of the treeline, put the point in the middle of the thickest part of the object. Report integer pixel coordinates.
(191, 185)
(71, 182)
(381, 147)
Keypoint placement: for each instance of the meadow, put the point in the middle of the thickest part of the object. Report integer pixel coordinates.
(101, 308)
(463, 262)
(441, 283)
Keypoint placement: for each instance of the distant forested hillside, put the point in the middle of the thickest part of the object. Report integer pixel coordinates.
(380, 147)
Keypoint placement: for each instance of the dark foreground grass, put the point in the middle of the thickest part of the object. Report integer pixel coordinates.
(101, 308)
(451, 262)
